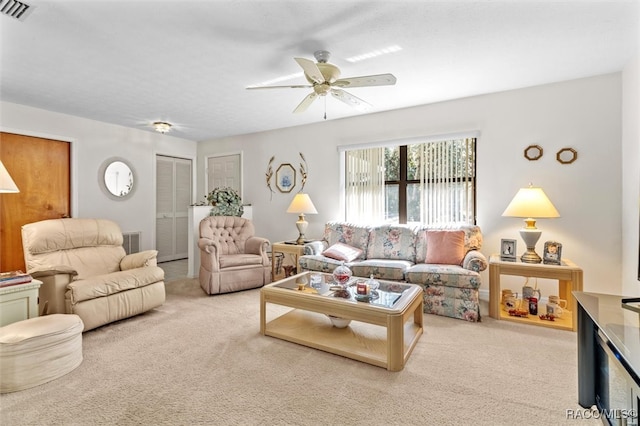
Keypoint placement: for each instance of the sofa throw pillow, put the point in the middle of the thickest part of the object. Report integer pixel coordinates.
(344, 252)
(445, 247)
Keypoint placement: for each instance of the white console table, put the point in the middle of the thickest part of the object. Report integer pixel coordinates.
(196, 214)
(19, 302)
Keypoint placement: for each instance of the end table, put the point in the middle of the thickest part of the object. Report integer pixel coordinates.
(296, 250)
(19, 302)
(569, 276)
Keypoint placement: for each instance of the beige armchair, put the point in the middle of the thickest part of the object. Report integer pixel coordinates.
(85, 270)
(231, 257)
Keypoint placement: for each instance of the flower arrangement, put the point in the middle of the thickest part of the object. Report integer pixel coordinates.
(225, 202)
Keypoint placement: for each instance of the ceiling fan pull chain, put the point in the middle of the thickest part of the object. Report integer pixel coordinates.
(325, 107)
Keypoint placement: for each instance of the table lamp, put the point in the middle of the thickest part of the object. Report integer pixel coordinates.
(301, 204)
(7, 185)
(531, 203)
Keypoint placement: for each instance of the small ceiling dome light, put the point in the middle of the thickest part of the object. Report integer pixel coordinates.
(162, 126)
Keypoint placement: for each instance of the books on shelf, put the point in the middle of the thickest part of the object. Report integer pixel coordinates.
(14, 278)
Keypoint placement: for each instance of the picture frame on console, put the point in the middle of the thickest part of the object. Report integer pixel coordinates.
(552, 254)
(508, 249)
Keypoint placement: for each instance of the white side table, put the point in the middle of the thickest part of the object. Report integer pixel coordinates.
(19, 302)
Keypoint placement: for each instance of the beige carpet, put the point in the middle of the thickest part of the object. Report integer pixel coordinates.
(201, 360)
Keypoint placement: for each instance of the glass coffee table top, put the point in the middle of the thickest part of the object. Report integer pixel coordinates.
(386, 296)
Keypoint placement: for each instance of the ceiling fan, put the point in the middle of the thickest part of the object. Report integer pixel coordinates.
(325, 78)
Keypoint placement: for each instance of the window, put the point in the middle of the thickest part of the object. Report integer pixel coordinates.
(422, 182)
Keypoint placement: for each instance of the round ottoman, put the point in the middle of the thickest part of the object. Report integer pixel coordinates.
(38, 350)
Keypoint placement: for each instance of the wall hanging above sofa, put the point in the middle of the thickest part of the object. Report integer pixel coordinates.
(567, 155)
(285, 176)
(533, 152)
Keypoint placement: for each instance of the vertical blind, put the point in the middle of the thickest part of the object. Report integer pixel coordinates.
(364, 192)
(447, 181)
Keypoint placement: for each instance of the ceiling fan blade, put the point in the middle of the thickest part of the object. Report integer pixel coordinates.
(350, 100)
(311, 70)
(308, 100)
(298, 86)
(367, 80)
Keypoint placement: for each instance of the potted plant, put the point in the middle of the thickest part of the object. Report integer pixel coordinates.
(225, 202)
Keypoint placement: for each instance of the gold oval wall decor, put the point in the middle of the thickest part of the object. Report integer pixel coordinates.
(567, 155)
(533, 152)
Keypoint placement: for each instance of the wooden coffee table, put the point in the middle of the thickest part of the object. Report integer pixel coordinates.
(382, 332)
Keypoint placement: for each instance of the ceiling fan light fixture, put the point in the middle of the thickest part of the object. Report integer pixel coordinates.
(324, 78)
(162, 126)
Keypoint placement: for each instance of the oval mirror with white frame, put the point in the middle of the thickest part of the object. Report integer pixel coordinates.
(117, 179)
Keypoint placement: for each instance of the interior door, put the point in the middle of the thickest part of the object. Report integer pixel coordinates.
(224, 171)
(173, 197)
(41, 168)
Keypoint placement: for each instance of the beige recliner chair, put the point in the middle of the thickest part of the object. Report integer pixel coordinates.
(231, 257)
(85, 270)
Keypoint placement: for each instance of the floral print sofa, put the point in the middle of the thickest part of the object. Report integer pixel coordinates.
(399, 253)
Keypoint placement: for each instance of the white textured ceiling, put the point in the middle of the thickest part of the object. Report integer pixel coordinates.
(188, 62)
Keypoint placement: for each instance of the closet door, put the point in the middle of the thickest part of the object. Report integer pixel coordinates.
(173, 197)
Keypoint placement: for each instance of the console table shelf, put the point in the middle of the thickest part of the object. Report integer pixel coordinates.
(569, 276)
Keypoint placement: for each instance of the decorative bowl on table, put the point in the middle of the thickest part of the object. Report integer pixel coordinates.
(342, 274)
(339, 322)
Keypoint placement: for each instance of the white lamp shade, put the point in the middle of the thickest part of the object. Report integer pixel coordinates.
(531, 202)
(7, 185)
(302, 204)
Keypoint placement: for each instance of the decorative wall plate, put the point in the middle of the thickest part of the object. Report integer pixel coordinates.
(567, 155)
(533, 152)
(285, 177)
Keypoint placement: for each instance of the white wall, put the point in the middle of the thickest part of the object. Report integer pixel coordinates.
(630, 176)
(92, 143)
(583, 114)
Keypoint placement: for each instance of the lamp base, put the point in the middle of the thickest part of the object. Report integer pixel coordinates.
(301, 224)
(530, 236)
(530, 256)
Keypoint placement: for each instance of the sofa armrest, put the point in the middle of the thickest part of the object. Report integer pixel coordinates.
(51, 294)
(475, 261)
(208, 246)
(49, 271)
(209, 254)
(259, 246)
(315, 247)
(139, 260)
(256, 245)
